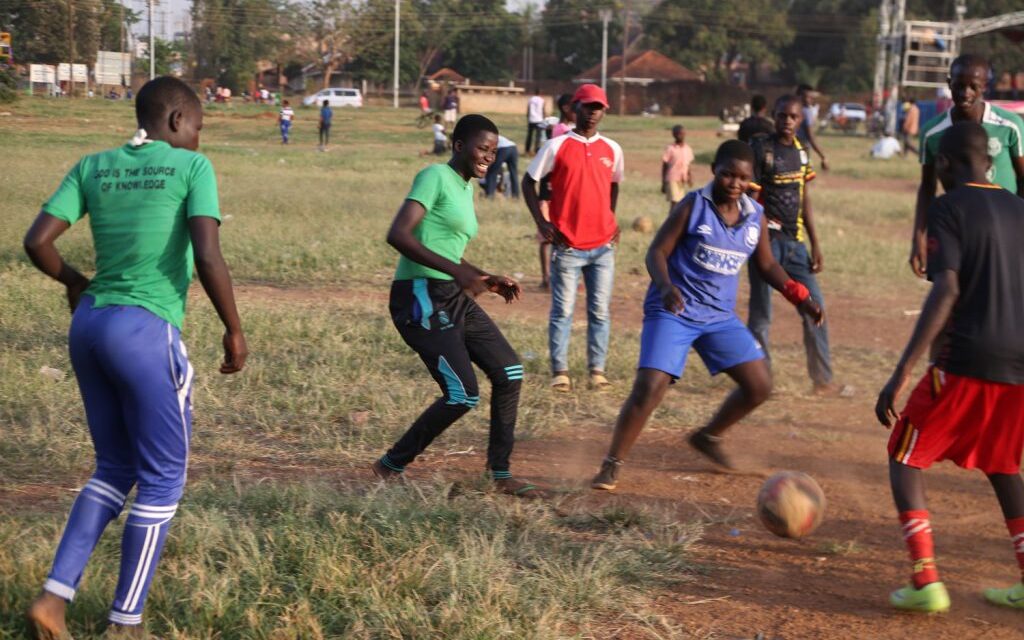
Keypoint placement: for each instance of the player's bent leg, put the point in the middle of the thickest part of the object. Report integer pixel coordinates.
(755, 386)
(648, 391)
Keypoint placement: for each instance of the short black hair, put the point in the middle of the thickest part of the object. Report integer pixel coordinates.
(327, 102)
(758, 102)
(965, 143)
(733, 150)
(803, 88)
(564, 99)
(969, 60)
(784, 101)
(678, 127)
(470, 125)
(160, 96)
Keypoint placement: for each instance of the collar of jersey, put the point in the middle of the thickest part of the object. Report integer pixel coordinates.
(746, 203)
(469, 183)
(575, 136)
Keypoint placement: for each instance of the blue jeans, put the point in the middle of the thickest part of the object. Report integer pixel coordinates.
(792, 255)
(598, 269)
(505, 156)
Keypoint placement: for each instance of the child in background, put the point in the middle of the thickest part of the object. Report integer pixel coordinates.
(284, 120)
(694, 263)
(440, 137)
(125, 338)
(675, 167)
(968, 406)
(326, 115)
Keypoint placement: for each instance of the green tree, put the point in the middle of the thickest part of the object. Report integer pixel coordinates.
(572, 29)
(482, 50)
(230, 36)
(110, 27)
(709, 34)
(43, 32)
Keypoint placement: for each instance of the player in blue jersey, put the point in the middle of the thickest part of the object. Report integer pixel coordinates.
(694, 263)
(153, 211)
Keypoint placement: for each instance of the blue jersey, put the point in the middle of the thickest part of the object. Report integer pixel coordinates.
(706, 263)
(326, 114)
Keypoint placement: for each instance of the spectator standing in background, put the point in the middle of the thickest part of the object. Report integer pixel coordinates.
(534, 122)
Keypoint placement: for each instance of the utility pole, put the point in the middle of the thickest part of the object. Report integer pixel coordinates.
(606, 16)
(897, 30)
(622, 71)
(881, 62)
(71, 41)
(152, 42)
(394, 88)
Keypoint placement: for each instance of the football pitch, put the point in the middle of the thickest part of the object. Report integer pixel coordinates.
(283, 534)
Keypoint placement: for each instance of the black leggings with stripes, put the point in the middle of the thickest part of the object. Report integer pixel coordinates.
(451, 333)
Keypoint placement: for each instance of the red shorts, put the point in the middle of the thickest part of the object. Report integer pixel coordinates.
(975, 423)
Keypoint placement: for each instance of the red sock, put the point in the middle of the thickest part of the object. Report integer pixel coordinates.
(1016, 527)
(917, 532)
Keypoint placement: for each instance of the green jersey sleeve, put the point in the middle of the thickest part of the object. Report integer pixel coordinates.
(1015, 144)
(426, 187)
(68, 202)
(202, 199)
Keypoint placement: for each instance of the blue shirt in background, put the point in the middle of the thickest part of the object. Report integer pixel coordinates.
(326, 114)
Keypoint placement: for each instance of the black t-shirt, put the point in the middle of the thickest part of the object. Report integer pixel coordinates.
(782, 171)
(977, 231)
(755, 126)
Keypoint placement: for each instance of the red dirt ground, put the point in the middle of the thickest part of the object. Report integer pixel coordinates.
(833, 584)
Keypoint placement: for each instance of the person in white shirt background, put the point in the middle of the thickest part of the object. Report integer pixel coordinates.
(534, 122)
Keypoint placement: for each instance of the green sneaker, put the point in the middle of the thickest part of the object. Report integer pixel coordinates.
(931, 598)
(1012, 597)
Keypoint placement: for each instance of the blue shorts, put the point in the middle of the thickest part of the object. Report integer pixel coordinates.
(666, 340)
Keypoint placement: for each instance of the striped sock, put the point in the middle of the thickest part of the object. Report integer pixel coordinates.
(1016, 527)
(501, 475)
(917, 533)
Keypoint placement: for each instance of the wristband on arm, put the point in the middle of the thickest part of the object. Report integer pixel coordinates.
(795, 292)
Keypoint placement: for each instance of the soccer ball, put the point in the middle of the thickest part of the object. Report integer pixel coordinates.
(791, 504)
(643, 224)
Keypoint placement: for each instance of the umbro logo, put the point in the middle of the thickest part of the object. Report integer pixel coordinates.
(704, 230)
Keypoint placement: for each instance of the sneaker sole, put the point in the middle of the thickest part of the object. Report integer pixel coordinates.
(602, 486)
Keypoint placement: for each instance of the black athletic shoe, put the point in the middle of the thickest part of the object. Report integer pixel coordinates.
(605, 479)
(710, 447)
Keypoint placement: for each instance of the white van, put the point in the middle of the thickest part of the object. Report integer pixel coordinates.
(335, 97)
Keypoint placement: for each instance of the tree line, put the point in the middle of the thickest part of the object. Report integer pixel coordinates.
(826, 43)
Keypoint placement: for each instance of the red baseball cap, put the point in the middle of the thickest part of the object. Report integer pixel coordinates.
(589, 93)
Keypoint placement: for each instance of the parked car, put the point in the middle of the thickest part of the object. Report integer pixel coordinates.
(335, 98)
(847, 116)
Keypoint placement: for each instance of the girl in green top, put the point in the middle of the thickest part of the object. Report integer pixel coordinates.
(433, 309)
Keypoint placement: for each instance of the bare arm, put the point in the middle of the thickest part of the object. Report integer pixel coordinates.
(216, 280)
(615, 195)
(925, 197)
(1018, 168)
(664, 177)
(812, 138)
(817, 259)
(935, 313)
(669, 235)
(547, 230)
(39, 245)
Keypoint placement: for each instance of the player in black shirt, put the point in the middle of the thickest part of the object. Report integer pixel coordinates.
(969, 407)
(782, 171)
(759, 123)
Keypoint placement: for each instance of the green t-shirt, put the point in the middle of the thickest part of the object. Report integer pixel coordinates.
(450, 222)
(1005, 142)
(139, 200)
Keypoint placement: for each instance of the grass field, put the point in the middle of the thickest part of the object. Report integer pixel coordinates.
(281, 534)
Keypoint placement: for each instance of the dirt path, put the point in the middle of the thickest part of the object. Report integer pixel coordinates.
(832, 585)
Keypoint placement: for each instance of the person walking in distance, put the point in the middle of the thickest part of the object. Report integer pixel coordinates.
(534, 122)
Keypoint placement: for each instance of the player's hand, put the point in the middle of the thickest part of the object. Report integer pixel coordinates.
(504, 286)
(885, 409)
(664, 186)
(817, 260)
(469, 280)
(824, 164)
(74, 293)
(235, 352)
(919, 254)
(672, 298)
(812, 310)
(551, 233)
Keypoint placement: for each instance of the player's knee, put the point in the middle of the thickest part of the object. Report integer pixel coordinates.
(759, 389)
(466, 398)
(648, 391)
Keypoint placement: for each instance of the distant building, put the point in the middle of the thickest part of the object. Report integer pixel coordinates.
(641, 69)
